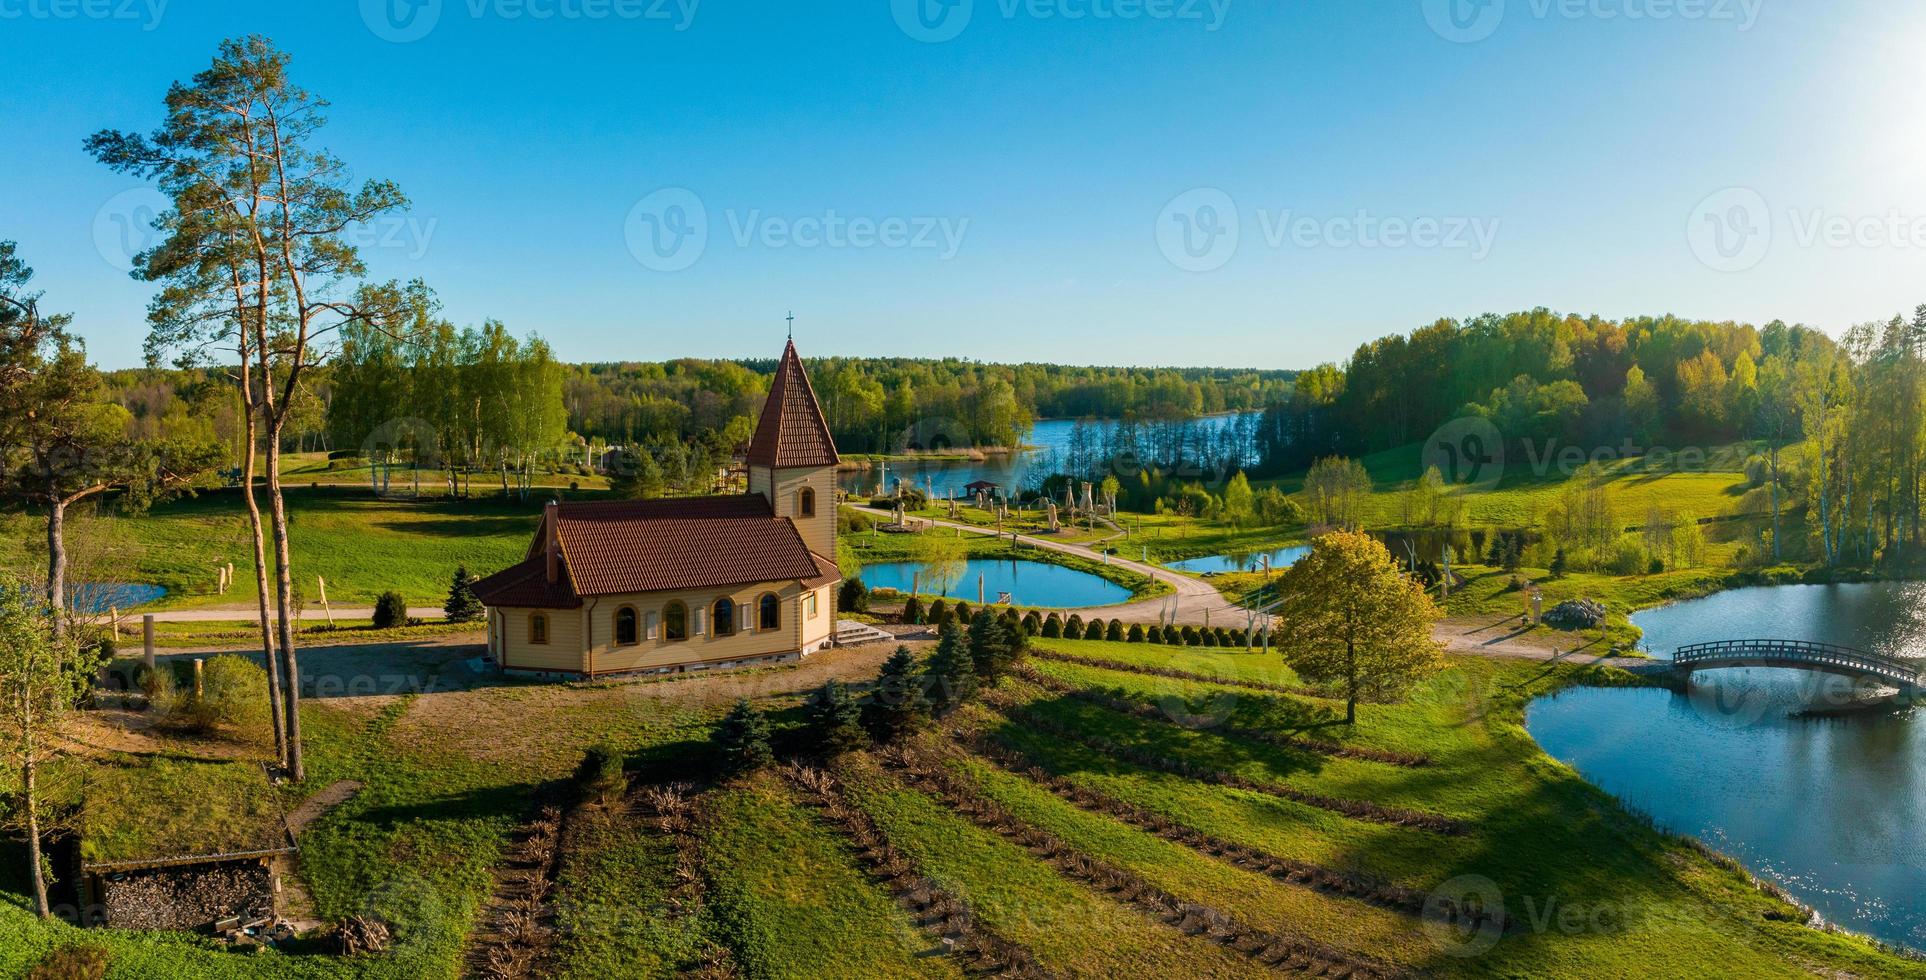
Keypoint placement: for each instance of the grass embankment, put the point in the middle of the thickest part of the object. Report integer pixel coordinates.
(361, 545)
(1187, 794)
(236, 633)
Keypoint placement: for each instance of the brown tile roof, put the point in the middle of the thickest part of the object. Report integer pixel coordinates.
(625, 546)
(525, 586)
(826, 572)
(791, 431)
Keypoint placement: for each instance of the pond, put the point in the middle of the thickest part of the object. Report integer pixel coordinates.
(1828, 807)
(94, 598)
(1281, 559)
(1049, 440)
(1029, 583)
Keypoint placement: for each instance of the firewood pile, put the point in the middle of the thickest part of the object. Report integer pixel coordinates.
(192, 897)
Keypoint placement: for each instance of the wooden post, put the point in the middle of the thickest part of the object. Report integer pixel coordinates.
(230, 576)
(323, 583)
(147, 639)
(113, 617)
(200, 689)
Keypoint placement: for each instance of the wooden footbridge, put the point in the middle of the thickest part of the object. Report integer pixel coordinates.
(1822, 658)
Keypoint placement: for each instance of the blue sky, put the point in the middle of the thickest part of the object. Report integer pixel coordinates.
(1023, 175)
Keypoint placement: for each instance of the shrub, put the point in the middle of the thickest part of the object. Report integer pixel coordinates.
(1657, 566)
(896, 705)
(1172, 637)
(853, 596)
(390, 611)
(1189, 636)
(852, 522)
(1053, 627)
(1032, 623)
(835, 719)
(951, 674)
(741, 739)
(1558, 564)
(599, 778)
(912, 610)
(1136, 634)
(1115, 633)
(1207, 638)
(71, 963)
(463, 606)
(1155, 635)
(1093, 631)
(962, 612)
(939, 613)
(1073, 627)
(1223, 637)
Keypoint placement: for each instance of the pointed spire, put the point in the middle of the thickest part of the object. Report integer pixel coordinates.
(792, 431)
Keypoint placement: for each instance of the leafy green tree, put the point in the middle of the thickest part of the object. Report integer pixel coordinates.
(742, 739)
(1240, 503)
(1351, 621)
(259, 240)
(951, 670)
(43, 678)
(463, 606)
(896, 705)
(836, 719)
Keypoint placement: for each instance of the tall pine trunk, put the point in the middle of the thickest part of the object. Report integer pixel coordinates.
(268, 655)
(284, 601)
(57, 558)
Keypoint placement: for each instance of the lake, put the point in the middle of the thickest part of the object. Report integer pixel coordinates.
(1828, 807)
(1030, 583)
(1050, 442)
(94, 598)
(1281, 559)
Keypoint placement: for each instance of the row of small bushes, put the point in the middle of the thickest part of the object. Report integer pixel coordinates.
(1074, 627)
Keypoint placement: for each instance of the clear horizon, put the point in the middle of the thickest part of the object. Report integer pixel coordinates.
(1208, 183)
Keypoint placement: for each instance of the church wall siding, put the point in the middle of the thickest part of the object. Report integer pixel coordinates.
(795, 634)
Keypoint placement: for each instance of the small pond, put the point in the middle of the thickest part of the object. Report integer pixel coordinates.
(1281, 559)
(1029, 583)
(1829, 807)
(94, 598)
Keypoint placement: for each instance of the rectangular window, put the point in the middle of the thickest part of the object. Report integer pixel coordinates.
(654, 626)
(809, 605)
(701, 622)
(742, 616)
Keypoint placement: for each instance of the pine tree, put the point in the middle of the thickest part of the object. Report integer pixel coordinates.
(1558, 564)
(1053, 627)
(742, 739)
(835, 719)
(896, 704)
(1094, 631)
(1136, 634)
(993, 646)
(951, 671)
(463, 606)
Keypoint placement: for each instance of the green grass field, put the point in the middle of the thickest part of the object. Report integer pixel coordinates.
(784, 891)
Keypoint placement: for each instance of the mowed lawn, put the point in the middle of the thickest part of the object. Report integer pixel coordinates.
(1173, 784)
(362, 546)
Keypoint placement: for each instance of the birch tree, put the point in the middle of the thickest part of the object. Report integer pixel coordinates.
(43, 676)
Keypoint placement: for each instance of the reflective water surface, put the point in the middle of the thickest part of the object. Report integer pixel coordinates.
(1760, 764)
(1030, 583)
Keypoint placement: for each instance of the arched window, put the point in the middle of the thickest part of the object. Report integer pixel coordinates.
(627, 631)
(675, 621)
(769, 612)
(724, 616)
(537, 628)
(806, 502)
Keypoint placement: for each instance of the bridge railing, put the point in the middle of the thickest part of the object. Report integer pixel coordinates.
(1798, 651)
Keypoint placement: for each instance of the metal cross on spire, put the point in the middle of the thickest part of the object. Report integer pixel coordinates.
(792, 324)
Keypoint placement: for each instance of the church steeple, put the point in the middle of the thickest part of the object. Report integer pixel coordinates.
(792, 431)
(792, 459)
